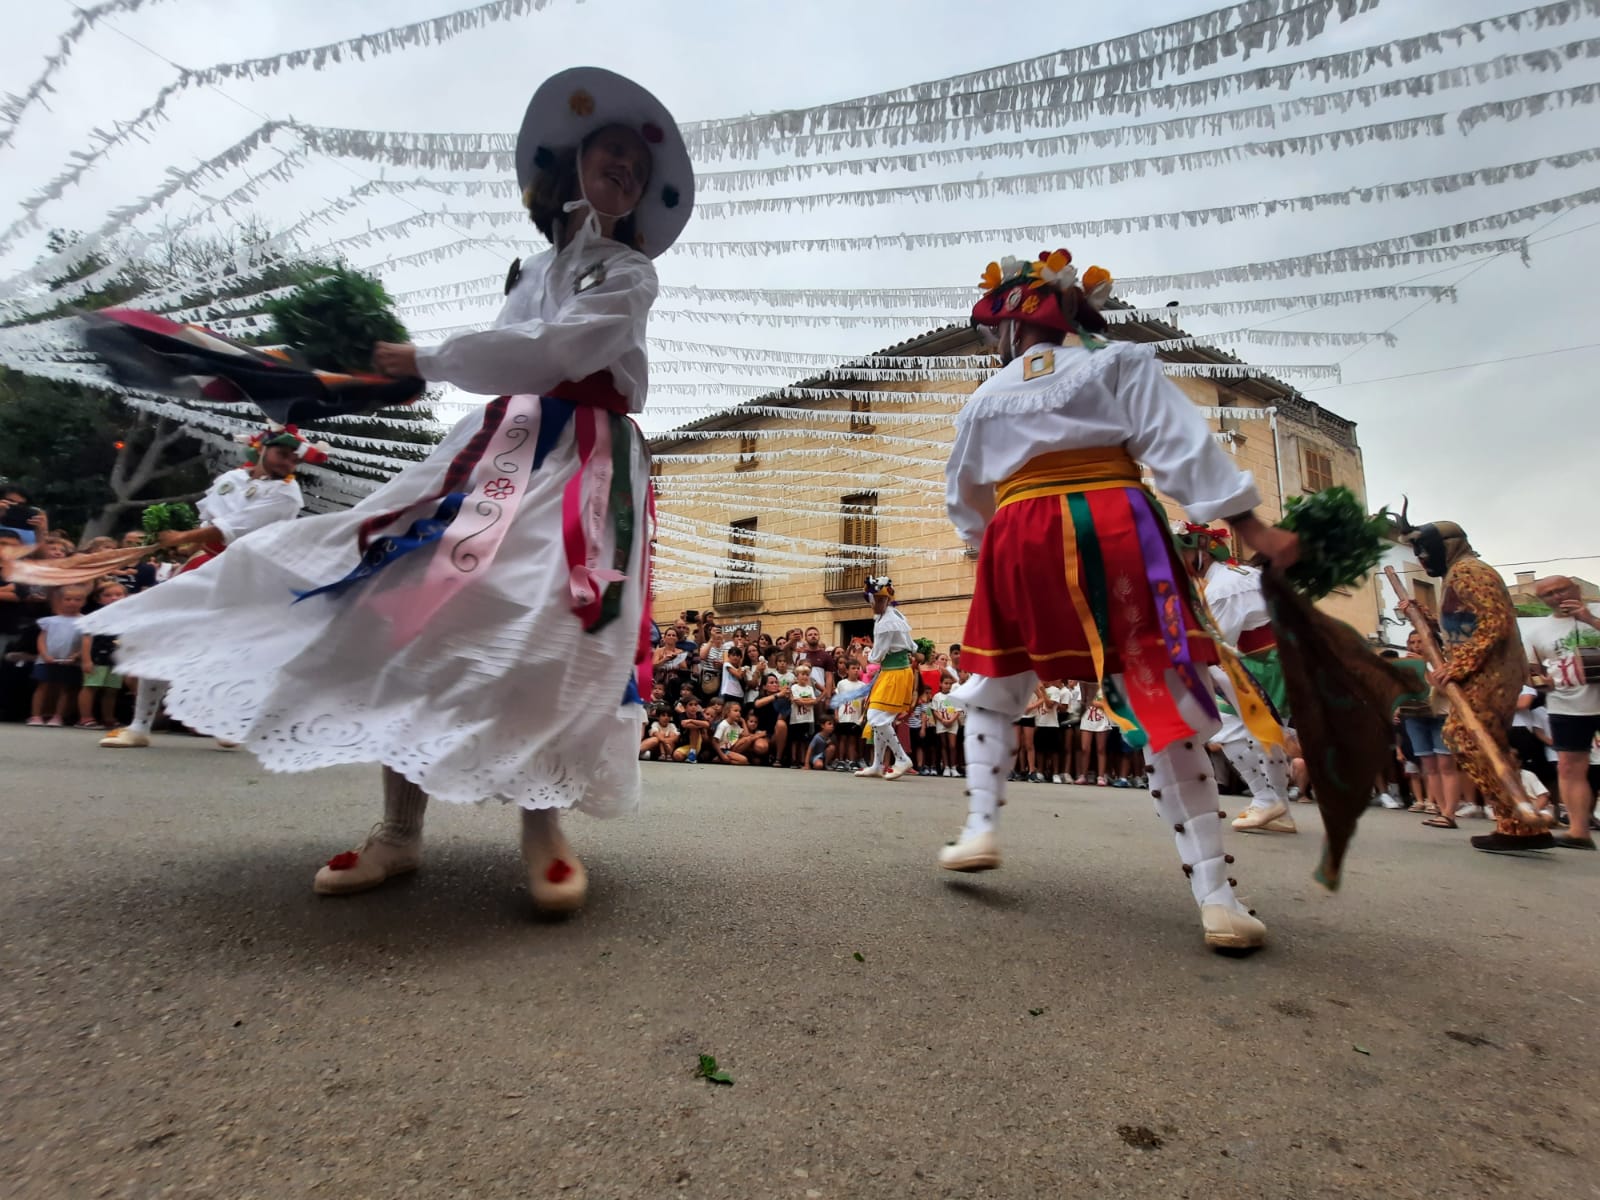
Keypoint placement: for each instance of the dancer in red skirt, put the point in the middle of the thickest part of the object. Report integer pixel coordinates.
(1078, 577)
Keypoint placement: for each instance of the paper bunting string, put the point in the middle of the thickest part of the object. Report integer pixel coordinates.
(1118, 90)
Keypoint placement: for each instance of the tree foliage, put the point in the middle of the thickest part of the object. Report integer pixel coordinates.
(94, 461)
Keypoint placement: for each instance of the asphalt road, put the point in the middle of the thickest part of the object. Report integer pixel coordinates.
(181, 1016)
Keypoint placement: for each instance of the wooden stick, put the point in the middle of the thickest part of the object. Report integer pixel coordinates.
(1458, 702)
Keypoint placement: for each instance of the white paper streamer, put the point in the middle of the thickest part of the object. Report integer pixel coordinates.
(388, 41)
(1054, 235)
(982, 95)
(1469, 119)
(15, 104)
(886, 485)
(1121, 90)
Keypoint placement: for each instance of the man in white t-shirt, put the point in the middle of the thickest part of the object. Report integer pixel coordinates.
(1558, 642)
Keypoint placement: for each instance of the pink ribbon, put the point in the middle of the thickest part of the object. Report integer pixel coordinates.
(473, 538)
(585, 507)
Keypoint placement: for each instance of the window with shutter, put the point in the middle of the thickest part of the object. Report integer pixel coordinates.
(1318, 473)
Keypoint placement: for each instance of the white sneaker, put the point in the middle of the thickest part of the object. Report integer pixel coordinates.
(899, 771)
(874, 771)
(1469, 810)
(1391, 802)
(971, 852)
(949, 772)
(1056, 779)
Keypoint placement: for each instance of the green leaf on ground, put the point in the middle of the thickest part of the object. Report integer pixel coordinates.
(858, 956)
(709, 1070)
(1036, 1012)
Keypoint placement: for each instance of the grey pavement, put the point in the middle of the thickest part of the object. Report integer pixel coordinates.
(181, 1016)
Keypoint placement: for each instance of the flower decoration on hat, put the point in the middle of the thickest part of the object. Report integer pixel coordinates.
(287, 436)
(577, 102)
(1216, 542)
(1055, 269)
(1097, 283)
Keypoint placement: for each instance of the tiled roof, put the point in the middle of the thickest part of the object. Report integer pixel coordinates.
(961, 338)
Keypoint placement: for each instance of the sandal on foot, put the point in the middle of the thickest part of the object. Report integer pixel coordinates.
(1440, 823)
(373, 863)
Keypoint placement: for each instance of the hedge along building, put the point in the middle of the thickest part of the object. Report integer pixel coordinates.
(774, 512)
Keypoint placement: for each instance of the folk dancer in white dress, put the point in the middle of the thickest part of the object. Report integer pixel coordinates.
(1233, 595)
(262, 492)
(450, 624)
(1077, 574)
(894, 687)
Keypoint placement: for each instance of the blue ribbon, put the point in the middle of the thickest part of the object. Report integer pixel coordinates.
(554, 416)
(387, 550)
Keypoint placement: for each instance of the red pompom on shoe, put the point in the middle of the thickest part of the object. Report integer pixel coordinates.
(559, 871)
(343, 862)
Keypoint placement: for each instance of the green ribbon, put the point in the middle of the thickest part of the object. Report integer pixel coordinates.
(1094, 574)
(622, 517)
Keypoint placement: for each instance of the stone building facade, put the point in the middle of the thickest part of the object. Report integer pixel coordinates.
(761, 512)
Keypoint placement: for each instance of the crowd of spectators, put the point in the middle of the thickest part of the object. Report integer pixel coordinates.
(734, 696)
(50, 676)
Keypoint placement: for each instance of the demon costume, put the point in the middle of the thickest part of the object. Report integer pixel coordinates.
(239, 502)
(478, 624)
(1078, 577)
(1484, 657)
(894, 687)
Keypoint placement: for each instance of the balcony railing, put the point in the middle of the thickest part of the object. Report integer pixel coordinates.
(736, 591)
(845, 580)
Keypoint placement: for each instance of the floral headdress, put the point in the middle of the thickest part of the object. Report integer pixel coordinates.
(289, 437)
(1218, 543)
(1014, 290)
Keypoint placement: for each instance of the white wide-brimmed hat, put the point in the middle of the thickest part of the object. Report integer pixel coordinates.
(572, 104)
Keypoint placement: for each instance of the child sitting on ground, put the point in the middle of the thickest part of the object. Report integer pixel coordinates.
(820, 752)
(728, 732)
(696, 731)
(662, 738)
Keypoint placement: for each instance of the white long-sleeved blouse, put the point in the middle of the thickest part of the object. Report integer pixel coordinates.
(890, 632)
(1234, 596)
(569, 314)
(1091, 399)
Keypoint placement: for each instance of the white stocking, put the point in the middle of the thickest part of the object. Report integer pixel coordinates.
(886, 745)
(1249, 759)
(147, 705)
(990, 744)
(1185, 793)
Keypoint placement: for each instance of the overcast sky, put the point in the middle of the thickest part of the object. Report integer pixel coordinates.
(1508, 450)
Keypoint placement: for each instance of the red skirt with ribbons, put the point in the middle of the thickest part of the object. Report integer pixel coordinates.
(1078, 578)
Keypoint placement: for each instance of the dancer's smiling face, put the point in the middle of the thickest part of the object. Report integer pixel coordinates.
(615, 168)
(277, 462)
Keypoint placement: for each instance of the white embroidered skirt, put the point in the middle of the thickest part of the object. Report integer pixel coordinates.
(502, 696)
